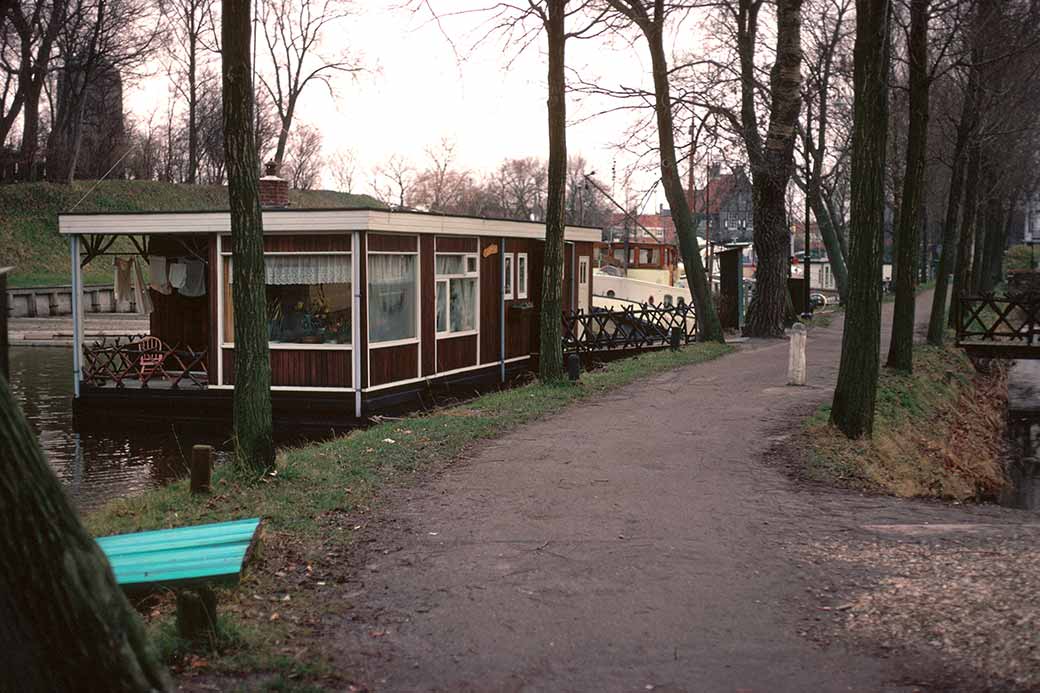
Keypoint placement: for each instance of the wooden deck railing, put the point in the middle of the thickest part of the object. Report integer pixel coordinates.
(1002, 319)
(633, 327)
(115, 361)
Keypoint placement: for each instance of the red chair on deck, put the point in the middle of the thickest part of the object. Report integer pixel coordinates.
(151, 354)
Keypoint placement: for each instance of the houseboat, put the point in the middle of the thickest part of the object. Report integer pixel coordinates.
(368, 309)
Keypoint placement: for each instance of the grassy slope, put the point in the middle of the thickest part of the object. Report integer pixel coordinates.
(29, 237)
(937, 433)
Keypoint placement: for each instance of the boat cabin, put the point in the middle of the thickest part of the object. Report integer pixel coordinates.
(366, 308)
(645, 261)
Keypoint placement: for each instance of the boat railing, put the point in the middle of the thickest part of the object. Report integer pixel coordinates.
(140, 360)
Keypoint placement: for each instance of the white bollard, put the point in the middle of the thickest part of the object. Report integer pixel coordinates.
(796, 359)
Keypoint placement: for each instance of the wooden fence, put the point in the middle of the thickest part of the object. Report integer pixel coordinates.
(633, 327)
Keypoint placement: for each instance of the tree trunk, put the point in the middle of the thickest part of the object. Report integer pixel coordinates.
(856, 389)
(64, 622)
(901, 346)
(254, 443)
(708, 326)
(550, 359)
(193, 101)
(996, 240)
(835, 255)
(948, 253)
(965, 244)
(771, 172)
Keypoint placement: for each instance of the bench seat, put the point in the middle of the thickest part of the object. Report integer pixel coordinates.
(181, 557)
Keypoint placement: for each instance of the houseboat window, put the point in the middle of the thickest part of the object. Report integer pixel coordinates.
(456, 293)
(644, 256)
(308, 299)
(521, 275)
(507, 279)
(391, 297)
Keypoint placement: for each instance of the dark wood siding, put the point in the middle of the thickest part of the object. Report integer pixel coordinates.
(490, 295)
(392, 243)
(212, 287)
(456, 352)
(536, 257)
(181, 320)
(518, 322)
(301, 367)
(427, 306)
(392, 364)
(301, 243)
(457, 244)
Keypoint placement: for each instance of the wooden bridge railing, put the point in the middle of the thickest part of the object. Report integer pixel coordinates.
(640, 326)
(999, 326)
(113, 361)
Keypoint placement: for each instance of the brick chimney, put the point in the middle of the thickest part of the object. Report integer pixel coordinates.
(274, 191)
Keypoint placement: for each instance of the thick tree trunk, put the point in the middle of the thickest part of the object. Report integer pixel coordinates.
(835, 255)
(65, 624)
(772, 163)
(966, 240)
(996, 240)
(901, 346)
(709, 328)
(254, 442)
(856, 389)
(550, 360)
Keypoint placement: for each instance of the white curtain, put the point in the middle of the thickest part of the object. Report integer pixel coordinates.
(281, 270)
(463, 304)
(391, 297)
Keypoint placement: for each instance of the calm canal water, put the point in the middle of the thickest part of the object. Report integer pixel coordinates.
(1023, 464)
(95, 466)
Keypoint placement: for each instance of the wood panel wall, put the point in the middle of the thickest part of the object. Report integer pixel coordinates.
(490, 293)
(175, 319)
(391, 364)
(388, 242)
(301, 243)
(301, 367)
(427, 305)
(456, 352)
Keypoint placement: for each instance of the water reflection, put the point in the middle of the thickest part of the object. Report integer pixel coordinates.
(95, 466)
(1024, 464)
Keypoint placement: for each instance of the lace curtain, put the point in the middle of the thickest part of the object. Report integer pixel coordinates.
(391, 297)
(281, 270)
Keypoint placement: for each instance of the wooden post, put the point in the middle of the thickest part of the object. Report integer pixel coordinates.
(197, 613)
(201, 468)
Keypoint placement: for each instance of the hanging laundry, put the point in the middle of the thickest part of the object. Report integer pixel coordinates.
(178, 273)
(121, 291)
(157, 270)
(141, 295)
(195, 278)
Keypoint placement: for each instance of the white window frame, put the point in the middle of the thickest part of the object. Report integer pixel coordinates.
(509, 265)
(291, 346)
(418, 301)
(521, 279)
(446, 280)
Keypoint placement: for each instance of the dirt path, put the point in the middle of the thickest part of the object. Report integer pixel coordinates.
(643, 541)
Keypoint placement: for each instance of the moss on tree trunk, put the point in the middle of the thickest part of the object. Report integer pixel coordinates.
(65, 624)
(856, 390)
(254, 440)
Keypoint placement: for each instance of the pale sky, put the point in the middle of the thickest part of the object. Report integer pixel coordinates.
(418, 93)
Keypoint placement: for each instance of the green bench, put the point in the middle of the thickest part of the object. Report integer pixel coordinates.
(189, 560)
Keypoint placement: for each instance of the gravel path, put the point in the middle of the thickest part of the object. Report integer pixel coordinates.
(649, 540)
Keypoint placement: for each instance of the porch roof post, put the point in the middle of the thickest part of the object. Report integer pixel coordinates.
(77, 315)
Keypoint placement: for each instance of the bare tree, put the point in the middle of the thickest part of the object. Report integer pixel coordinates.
(344, 168)
(187, 24)
(856, 390)
(304, 162)
(392, 182)
(293, 31)
(650, 17)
